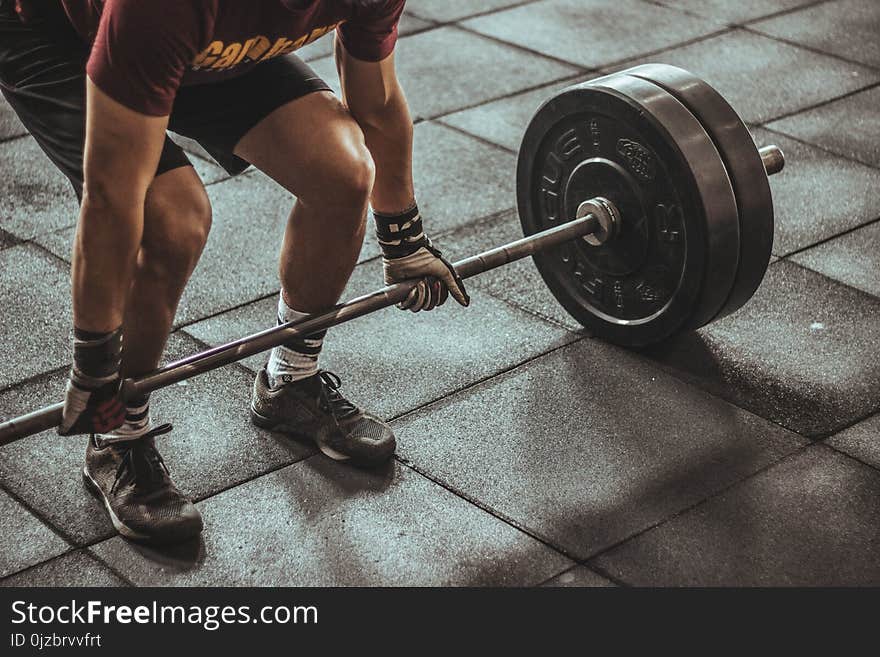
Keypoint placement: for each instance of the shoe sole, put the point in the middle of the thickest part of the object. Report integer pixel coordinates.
(273, 425)
(123, 529)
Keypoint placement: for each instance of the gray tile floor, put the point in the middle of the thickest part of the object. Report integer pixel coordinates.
(530, 454)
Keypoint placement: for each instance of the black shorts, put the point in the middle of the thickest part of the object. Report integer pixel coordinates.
(42, 76)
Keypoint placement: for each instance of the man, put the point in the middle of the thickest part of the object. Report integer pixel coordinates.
(97, 84)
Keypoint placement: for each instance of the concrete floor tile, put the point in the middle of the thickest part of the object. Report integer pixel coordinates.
(853, 258)
(59, 243)
(800, 353)
(240, 262)
(861, 441)
(518, 283)
(593, 33)
(324, 46)
(584, 445)
(848, 126)
(319, 523)
(6, 240)
(474, 70)
(35, 197)
(453, 10)
(504, 121)
(191, 146)
(36, 320)
(73, 569)
(817, 195)
(754, 73)
(588, 445)
(847, 28)
(808, 521)
(578, 577)
(458, 179)
(213, 446)
(735, 12)
(24, 540)
(208, 170)
(453, 346)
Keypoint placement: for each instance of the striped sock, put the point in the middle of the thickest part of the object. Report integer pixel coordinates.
(296, 359)
(137, 422)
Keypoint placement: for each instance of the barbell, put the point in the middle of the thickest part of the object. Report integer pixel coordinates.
(645, 204)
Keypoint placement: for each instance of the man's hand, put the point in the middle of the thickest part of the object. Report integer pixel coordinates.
(373, 94)
(408, 254)
(91, 409)
(438, 278)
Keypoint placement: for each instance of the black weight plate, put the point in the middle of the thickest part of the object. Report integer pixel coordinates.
(744, 166)
(630, 141)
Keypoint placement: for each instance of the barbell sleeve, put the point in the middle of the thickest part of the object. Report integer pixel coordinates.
(773, 159)
(186, 368)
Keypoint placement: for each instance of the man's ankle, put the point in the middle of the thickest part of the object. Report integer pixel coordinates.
(296, 359)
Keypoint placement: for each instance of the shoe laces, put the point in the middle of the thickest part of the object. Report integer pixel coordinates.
(332, 400)
(141, 460)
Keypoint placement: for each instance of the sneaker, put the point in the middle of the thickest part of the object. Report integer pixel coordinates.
(132, 481)
(314, 409)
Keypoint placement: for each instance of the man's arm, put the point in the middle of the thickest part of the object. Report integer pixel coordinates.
(121, 155)
(377, 102)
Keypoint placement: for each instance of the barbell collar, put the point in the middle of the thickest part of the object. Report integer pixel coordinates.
(606, 214)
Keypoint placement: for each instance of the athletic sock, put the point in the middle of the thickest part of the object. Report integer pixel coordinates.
(137, 422)
(296, 359)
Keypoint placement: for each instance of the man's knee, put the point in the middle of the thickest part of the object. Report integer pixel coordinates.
(348, 179)
(176, 226)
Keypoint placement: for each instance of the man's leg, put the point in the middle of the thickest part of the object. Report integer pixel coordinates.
(314, 149)
(42, 76)
(326, 227)
(124, 468)
(177, 220)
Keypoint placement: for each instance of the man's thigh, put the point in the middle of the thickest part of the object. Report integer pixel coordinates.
(313, 147)
(42, 77)
(219, 115)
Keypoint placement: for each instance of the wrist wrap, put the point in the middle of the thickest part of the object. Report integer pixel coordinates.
(400, 234)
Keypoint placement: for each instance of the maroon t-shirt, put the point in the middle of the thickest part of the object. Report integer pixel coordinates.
(143, 50)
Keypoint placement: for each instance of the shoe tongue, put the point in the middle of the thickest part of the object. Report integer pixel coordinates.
(312, 384)
(341, 406)
(145, 460)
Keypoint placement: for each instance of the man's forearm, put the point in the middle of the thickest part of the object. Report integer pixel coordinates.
(104, 257)
(389, 137)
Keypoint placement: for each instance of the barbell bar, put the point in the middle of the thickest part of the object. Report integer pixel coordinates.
(186, 368)
(596, 220)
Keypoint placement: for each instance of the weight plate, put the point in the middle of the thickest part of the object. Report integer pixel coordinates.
(744, 166)
(632, 142)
